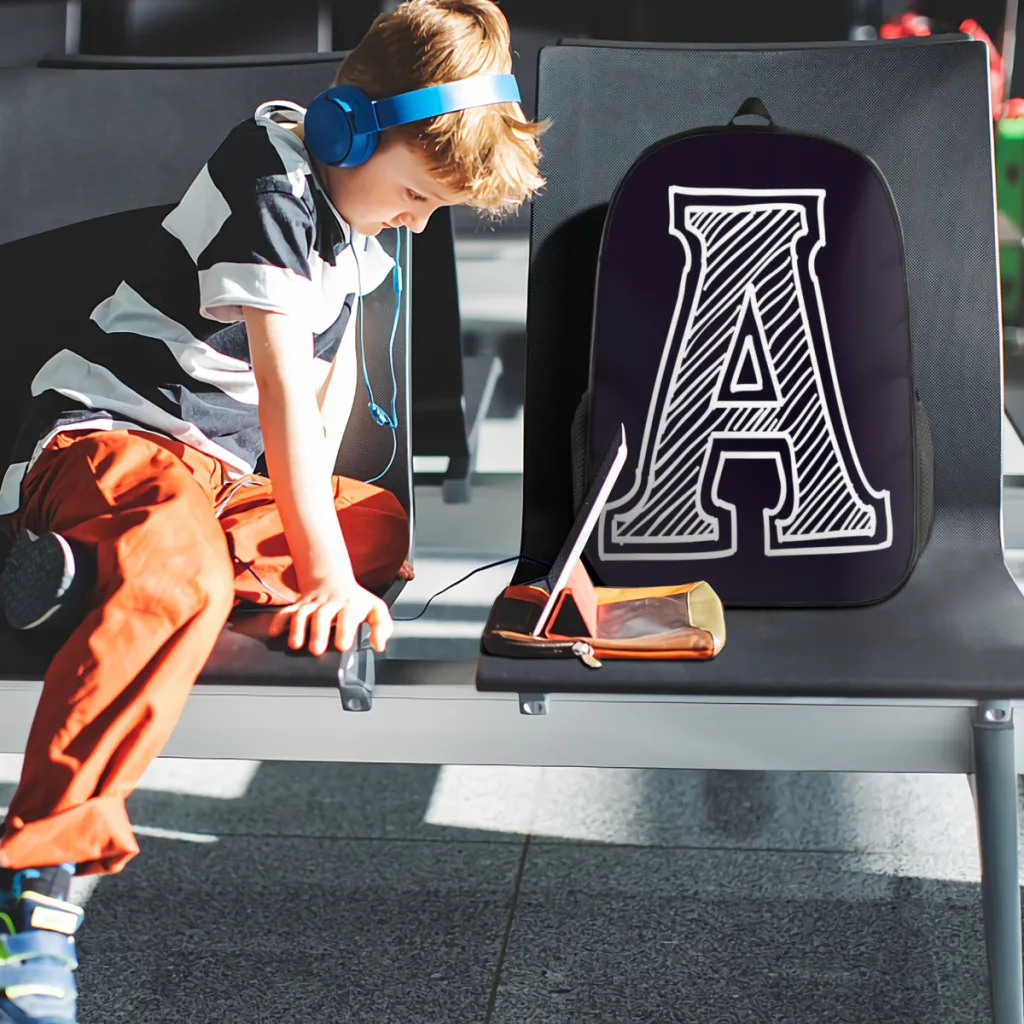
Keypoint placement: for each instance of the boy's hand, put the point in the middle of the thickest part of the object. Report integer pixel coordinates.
(406, 572)
(341, 603)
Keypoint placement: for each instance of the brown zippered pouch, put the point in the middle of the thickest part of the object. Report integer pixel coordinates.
(591, 623)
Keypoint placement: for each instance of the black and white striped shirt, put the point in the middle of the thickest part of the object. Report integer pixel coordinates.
(168, 351)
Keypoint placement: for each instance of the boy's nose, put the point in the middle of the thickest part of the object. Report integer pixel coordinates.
(415, 222)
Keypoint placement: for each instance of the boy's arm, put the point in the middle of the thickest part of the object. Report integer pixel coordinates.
(294, 441)
(337, 392)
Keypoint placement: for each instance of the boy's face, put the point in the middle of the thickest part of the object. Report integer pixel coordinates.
(394, 188)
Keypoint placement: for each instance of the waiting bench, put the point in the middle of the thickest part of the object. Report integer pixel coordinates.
(924, 682)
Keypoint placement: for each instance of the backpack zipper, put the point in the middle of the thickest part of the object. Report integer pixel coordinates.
(585, 653)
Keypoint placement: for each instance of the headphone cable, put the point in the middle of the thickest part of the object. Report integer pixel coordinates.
(490, 565)
(396, 284)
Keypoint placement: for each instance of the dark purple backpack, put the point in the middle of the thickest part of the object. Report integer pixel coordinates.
(751, 331)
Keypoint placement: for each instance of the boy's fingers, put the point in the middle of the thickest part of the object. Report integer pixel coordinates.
(280, 620)
(381, 626)
(317, 618)
(348, 623)
(346, 629)
(297, 633)
(320, 627)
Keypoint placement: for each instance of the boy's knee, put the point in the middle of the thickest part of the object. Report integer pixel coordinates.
(390, 540)
(390, 506)
(358, 501)
(207, 570)
(215, 578)
(394, 525)
(186, 570)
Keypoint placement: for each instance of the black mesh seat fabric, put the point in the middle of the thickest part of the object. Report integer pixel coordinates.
(920, 109)
(90, 162)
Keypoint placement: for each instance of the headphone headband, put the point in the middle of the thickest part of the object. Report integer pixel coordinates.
(343, 124)
(435, 100)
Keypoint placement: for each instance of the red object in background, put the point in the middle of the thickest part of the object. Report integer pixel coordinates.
(911, 24)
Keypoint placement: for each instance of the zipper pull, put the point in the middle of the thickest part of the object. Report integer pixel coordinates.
(585, 653)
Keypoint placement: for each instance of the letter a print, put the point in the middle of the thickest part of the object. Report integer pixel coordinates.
(747, 372)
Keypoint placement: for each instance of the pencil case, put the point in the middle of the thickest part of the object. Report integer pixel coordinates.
(594, 623)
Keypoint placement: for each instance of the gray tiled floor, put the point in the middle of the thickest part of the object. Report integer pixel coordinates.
(780, 811)
(369, 894)
(723, 936)
(263, 929)
(318, 801)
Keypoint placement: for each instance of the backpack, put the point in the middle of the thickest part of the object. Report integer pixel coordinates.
(751, 333)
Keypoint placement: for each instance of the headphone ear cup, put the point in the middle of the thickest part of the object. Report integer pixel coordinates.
(363, 147)
(332, 127)
(328, 130)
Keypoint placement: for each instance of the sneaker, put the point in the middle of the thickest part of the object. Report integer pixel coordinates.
(37, 946)
(45, 581)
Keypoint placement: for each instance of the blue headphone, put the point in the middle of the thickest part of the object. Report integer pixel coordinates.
(343, 124)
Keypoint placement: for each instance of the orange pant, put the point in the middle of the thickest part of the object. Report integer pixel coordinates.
(168, 574)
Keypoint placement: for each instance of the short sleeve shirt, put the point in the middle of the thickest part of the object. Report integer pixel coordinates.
(168, 351)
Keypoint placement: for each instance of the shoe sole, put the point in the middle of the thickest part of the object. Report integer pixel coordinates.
(36, 577)
(12, 1014)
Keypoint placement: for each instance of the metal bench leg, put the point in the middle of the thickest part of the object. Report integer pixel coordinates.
(996, 803)
(457, 487)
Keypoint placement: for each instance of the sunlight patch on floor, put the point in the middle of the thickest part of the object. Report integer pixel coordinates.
(498, 798)
(213, 778)
(584, 804)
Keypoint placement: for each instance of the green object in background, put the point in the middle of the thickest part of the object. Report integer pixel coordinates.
(1010, 169)
(1009, 140)
(1011, 263)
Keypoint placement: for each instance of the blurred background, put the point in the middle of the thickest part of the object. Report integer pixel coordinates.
(31, 29)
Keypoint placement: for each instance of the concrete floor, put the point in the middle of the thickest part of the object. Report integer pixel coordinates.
(328, 893)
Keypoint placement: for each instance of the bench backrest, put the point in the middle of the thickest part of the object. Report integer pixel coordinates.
(97, 157)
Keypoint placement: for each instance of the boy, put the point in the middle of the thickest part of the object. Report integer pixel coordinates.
(231, 337)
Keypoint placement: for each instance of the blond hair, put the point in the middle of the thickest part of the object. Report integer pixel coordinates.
(489, 154)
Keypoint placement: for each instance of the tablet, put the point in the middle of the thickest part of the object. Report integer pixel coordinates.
(583, 527)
